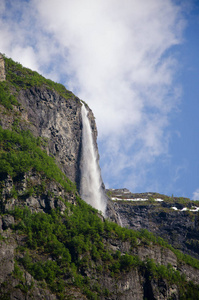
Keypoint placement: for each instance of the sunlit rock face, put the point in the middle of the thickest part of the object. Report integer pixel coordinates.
(2, 69)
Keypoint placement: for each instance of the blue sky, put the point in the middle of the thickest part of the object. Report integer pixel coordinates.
(185, 148)
(136, 64)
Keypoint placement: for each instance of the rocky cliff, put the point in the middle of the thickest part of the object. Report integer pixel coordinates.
(52, 244)
(172, 218)
(113, 264)
(48, 111)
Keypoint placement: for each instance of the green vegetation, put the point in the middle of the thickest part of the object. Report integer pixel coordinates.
(23, 78)
(184, 258)
(109, 193)
(6, 99)
(20, 152)
(147, 236)
(189, 291)
(64, 238)
(167, 272)
(74, 242)
(18, 273)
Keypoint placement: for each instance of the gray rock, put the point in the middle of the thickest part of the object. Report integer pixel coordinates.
(59, 121)
(2, 69)
(8, 220)
(179, 228)
(6, 259)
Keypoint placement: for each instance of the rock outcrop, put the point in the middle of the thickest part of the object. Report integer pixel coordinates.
(2, 69)
(47, 196)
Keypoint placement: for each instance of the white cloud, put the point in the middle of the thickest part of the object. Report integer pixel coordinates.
(196, 195)
(115, 56)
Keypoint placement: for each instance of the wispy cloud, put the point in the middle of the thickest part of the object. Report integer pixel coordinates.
(196, 195)
(116, 56)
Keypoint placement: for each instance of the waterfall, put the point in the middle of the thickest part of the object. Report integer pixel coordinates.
(119, 219)
(91, 183)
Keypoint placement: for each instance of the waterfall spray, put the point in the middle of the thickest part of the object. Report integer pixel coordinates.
(91, 183)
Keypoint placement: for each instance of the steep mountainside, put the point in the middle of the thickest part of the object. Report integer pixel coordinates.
(172, 218)
(49, 111)
(52, 244)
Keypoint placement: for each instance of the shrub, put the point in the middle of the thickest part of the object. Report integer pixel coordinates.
(7, 99)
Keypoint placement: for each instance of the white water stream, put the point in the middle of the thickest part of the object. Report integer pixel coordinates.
(91, 183)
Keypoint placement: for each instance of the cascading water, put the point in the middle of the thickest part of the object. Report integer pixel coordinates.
(91, 183)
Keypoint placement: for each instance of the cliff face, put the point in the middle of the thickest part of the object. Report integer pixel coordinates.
(129, 281)
(57, 120)
(17, 283)
(52, 116)
(52, 244)
(174, 219)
